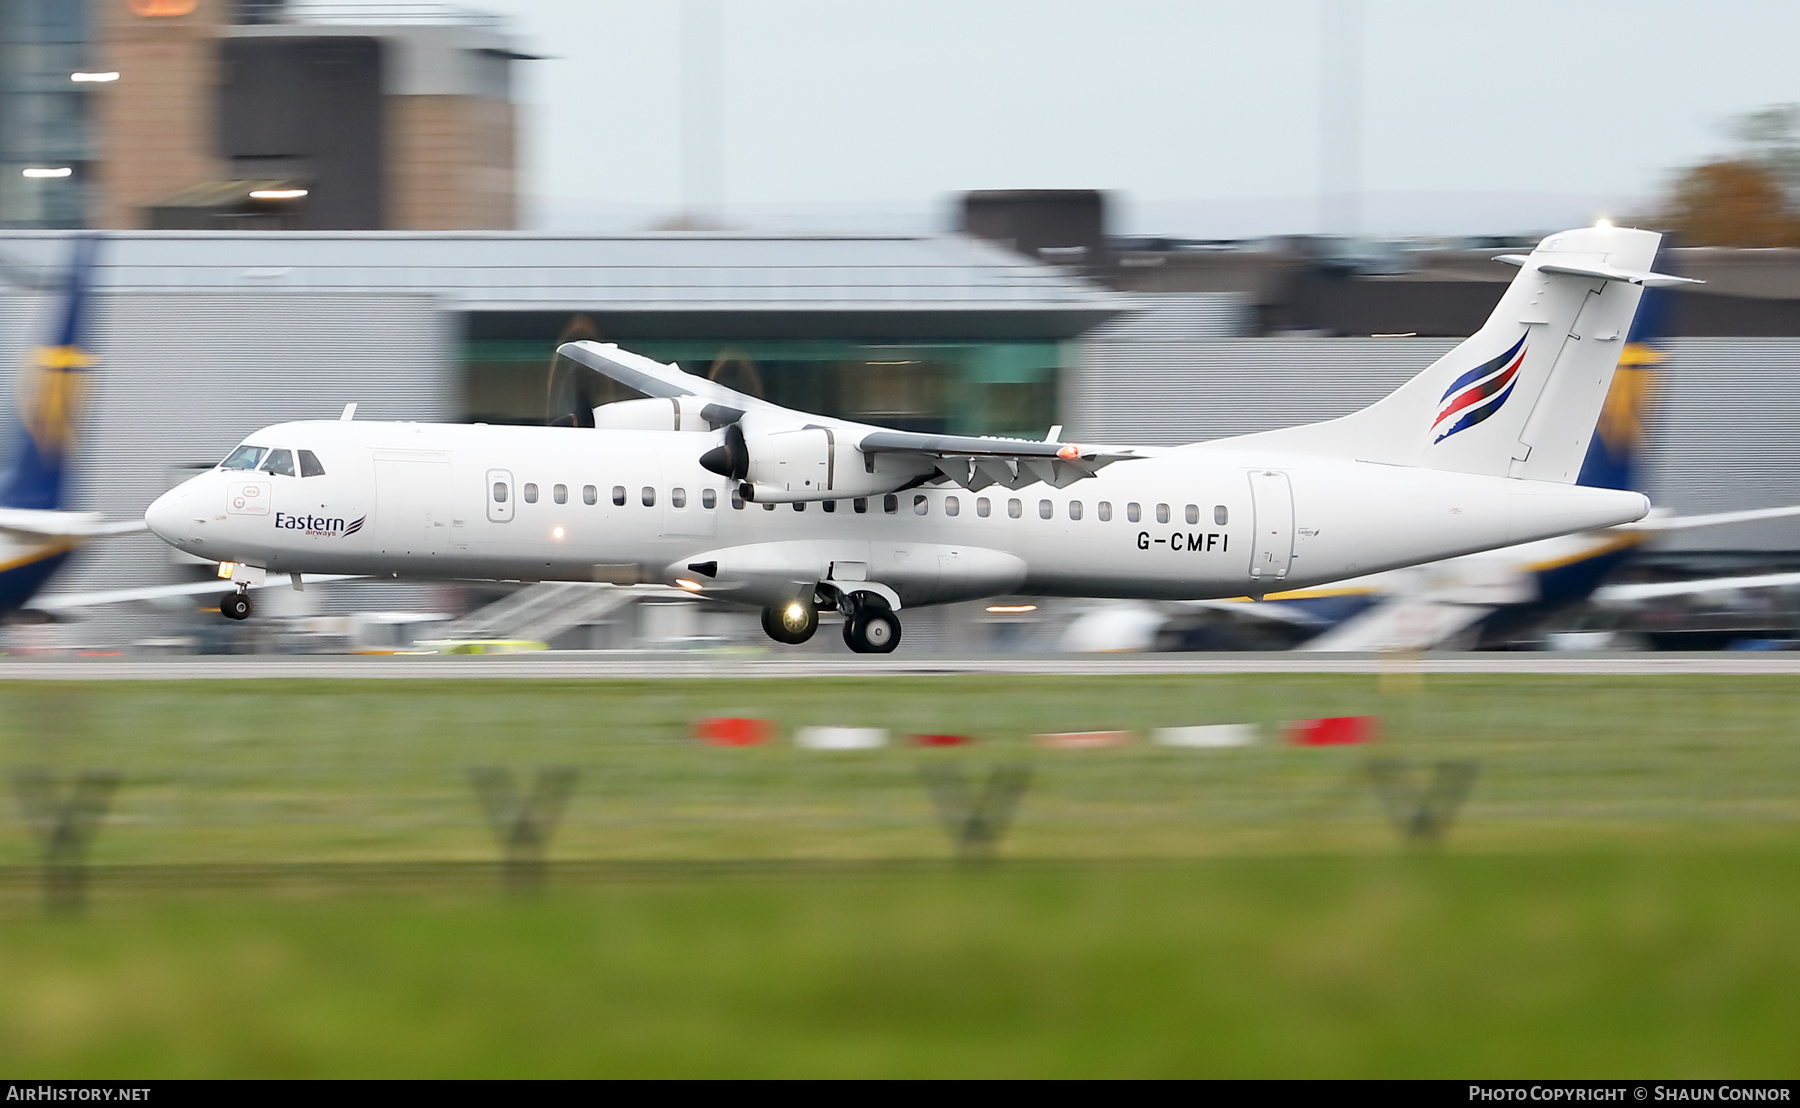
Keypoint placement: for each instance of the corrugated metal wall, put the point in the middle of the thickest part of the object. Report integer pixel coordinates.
(182, 378)
(1726, 435)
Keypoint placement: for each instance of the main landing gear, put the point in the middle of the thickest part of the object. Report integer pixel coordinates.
(870, 626)
(235, 605)
(792, 624)
(872, 629)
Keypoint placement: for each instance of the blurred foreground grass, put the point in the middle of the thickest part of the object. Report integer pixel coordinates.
(1617, 896)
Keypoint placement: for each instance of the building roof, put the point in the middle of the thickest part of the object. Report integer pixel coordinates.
(660, 273)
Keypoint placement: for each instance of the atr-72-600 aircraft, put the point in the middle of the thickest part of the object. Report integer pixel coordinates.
(737, 499)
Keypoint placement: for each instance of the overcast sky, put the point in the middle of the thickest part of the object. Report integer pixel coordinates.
(1203, 118)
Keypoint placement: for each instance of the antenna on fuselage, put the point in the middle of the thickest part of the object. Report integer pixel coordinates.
(349, 413)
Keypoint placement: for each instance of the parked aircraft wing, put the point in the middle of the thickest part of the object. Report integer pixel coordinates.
(43, 523)
(1715, 519)
(1615, 594)
(150, 594)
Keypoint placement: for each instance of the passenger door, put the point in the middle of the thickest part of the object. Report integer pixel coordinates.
(412, 504)
(1272, 552)
(499, 495)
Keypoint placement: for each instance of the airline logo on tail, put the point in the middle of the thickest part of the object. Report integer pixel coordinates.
(1478, 393)
(51, 393)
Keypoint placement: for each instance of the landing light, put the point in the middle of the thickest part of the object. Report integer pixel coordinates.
(95, 78)
(1603, 223)
(691, 586)
(226, 569)
(557, 534)
(38, 172)
(277, 194)
(1008, 609)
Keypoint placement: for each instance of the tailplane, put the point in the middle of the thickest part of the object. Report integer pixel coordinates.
(1521, 396)
(52, 387)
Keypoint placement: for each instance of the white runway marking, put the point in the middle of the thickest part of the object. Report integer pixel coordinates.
(576, 665)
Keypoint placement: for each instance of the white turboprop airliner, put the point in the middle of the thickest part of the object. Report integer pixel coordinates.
(733, 498)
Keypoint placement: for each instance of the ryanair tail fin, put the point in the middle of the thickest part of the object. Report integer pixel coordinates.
(1521, 396)
(1614, 458)
(52, 387)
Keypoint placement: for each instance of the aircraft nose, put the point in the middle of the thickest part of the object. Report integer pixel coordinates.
(167, 516)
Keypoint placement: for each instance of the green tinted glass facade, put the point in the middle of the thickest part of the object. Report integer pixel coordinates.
(973, 388)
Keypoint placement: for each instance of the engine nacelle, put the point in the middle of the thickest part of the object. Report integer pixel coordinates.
(795, 464)
(675, 413)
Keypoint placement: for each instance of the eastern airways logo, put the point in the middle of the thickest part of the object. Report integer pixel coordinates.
(324, 526)
(1478, 393)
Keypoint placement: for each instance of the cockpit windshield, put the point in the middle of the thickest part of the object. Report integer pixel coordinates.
(244, 457)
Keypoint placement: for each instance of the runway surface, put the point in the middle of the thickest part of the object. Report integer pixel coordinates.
(581, 665)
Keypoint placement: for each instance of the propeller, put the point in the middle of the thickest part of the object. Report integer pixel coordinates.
(571, 390)
(731, 458)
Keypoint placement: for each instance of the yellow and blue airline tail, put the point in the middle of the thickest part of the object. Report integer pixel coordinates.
(52, 387)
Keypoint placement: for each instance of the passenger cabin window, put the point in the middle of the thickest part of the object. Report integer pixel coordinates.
(1045, 509)
(1014, 509)
(737, 500)
(309, 465)
(530, 491)
(1162, 513)
(768, 507)
(499, 492)
(619, 495)
(280, 461)
(1133, 512)
(1220, 515)
(1074, 509)
(860, 505)
(709, 498)
(590, 495)
(829, 506)
(952, 505)
(983, 506)
(1105, 511)
(921, 504)
(799, 505)
(890, 503)
(560, 494)
(678, 498)
(1193, 514)
(649, 496)
(244, 457)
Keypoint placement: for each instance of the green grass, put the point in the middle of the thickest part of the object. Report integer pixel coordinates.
(1618, 895)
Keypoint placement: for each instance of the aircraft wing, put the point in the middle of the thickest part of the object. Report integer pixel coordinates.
(971, 461)
(150, 595)
(1715, 519)
(1654, 589)
(65, 525)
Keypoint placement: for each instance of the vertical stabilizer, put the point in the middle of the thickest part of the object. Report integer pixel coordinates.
(51, 389)
(1615, 457)
(1520, 397)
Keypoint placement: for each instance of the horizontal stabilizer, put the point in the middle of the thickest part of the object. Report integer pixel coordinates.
(1715, 519)
(1603, 272)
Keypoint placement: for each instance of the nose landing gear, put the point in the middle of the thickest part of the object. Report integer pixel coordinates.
(235, 605)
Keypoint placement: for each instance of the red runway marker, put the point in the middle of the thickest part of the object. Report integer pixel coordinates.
(732, 731)
(1334, 731)
(941, 740)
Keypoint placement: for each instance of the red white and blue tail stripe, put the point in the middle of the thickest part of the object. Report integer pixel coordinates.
(1478, 393)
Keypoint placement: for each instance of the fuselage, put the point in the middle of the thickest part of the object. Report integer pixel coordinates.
(531, 503)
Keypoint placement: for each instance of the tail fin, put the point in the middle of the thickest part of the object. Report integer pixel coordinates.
(1520, 397)
(52, 386)
(1622, 432)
